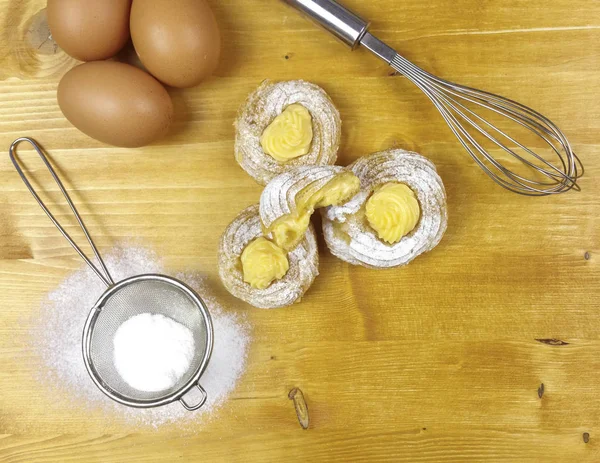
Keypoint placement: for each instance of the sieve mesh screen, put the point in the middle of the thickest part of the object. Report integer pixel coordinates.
(143, 294)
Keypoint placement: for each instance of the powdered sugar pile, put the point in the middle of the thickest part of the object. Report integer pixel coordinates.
(152, 352)
(58, 329)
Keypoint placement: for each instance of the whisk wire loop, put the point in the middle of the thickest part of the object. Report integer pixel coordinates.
(451, 101)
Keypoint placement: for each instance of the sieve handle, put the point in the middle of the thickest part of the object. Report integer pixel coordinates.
(104, 276)
(197, 405)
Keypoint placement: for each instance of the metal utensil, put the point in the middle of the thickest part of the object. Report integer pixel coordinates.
(149, 293)
(458, 104)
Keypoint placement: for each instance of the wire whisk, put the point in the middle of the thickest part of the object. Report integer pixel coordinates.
(508, 161)
(452, 99)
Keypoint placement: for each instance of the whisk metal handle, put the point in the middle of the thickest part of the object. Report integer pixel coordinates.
(337, 19)
(105, 275)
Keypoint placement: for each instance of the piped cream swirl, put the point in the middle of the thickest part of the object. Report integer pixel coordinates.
(393, 211)
(263, 262)
(290, 134)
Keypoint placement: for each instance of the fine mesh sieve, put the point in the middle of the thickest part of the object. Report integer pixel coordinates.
(156, 294)
(149, 293)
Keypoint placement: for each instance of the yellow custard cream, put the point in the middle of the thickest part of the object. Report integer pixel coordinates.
(393, 211)
(289, 135)
(263, 262)
(289, 229)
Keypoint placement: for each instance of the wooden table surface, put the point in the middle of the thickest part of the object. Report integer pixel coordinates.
(440, 361)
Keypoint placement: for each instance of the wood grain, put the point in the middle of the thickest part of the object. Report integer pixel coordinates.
(441, 361)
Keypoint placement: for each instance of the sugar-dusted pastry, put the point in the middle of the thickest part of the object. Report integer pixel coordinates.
(283, 125)
(289, 200)
(256, 270)
(399, 213)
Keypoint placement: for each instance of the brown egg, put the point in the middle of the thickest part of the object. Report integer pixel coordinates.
(115, 103)
(89, 30)
(178, 42)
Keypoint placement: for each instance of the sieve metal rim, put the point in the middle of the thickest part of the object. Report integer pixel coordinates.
(174, 396)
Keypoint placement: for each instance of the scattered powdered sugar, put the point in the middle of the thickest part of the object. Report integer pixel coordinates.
(152, 352)
(57, 332)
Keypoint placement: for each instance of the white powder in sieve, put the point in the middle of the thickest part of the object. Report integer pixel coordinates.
(56, 340)
(152, 352)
